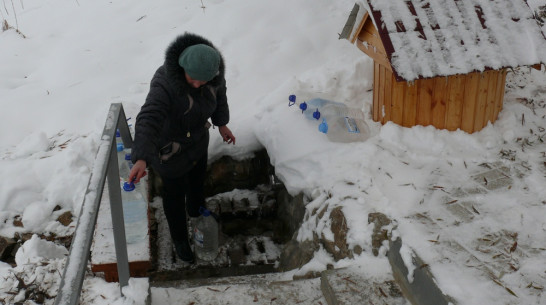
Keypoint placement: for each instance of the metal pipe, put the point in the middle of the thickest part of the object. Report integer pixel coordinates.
(78, 257)
(118, 224)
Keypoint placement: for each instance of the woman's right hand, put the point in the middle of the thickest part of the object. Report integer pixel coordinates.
(138, 171)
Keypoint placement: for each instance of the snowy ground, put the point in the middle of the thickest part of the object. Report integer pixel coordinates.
(69, 60)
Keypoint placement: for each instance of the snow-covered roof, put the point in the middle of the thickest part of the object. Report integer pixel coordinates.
(428, 38)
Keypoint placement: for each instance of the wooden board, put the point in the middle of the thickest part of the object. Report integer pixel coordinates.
(491, 94)
(439, 100)
(410, 105)
(499, 97)
(454, 107)
(397, 103)
(381, 102)
(387, 104)
(481, 101)
(378, 57)
(469, 102)
(369, 42)
(376, 83)
(136, 269)
(424, 101)
(103, 252)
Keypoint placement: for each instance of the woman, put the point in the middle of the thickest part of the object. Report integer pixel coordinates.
(171, 131)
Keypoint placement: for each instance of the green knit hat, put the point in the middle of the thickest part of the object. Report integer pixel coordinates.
(200, 61)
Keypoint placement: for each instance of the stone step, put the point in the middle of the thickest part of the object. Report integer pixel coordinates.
(356, 286)
(334, 287)
(250, 289)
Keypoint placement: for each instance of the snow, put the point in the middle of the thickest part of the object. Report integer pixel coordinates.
(443, 38)
(407, 257)
(36, 249)
(78, 57)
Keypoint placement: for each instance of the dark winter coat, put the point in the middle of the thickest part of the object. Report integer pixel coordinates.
(167, 117)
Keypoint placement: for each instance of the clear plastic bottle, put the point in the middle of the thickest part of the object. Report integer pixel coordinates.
(135, 213)
(345, 129)
(312, 108)
(124, 164)
(128, 159)
(119, 141)
(332, 110)
(205, 236)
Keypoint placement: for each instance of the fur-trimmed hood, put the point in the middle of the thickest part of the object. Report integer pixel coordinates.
(176, 73)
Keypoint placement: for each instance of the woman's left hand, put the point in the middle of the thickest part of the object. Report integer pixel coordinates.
(226, 134)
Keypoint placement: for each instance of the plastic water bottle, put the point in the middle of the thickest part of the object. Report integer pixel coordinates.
(135, 213)
(345, 129)
(125, 164)
(332, 110)
(123, 171)
(205, 236)
(312, 109)
(119, 141)
(128, 160)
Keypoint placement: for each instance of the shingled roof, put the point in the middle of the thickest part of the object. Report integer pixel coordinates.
(429, 38)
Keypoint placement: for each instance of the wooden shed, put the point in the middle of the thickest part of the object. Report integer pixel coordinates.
(444, 62)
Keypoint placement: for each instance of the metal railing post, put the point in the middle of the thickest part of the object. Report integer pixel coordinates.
(118, 224)
(106, 164)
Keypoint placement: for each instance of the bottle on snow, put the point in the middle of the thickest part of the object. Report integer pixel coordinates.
(345, 129)
(313, 109)
(135, 213)
(205, 236)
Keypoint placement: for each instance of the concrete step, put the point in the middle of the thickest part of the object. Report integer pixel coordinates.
(355, 286)
(334, 287)
(251, 289)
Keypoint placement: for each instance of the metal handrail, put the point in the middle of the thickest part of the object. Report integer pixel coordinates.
(106, 166)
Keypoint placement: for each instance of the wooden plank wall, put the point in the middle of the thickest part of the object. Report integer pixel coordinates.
(466, 102)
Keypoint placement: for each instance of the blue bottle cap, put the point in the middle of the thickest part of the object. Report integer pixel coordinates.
(323, 127)
(118, 134)
(204, 211)
(303, 107)
(127, 156)
(128, 186)
(316, 114)
(292, 100)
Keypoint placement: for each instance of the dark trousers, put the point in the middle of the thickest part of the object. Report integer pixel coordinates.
(185, 193)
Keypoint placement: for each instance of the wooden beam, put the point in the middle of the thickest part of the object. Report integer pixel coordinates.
(376, 86)
(360, 26)
(378, 57)
(389, 79)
